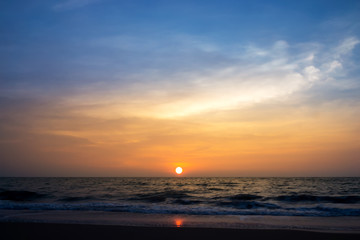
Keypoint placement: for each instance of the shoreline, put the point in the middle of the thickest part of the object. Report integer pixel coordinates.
(237, 222)
(57, 231)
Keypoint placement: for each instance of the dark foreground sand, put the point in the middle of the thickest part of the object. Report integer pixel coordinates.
(51, 231)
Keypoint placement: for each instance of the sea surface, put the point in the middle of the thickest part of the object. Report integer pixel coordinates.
(312, 197)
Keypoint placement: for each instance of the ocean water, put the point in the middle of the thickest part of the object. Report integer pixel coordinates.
(310, 197)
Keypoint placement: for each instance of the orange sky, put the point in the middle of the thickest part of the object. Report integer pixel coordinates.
(260, 140)
(113, 88)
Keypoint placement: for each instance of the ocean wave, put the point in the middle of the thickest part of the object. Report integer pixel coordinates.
(20, 195)
(248, 204)
(157, 197)
(320, 211)
(228, 183)
(215, 189)
(314, 198)
(186, 201)
(76, 199)
(245, 197)
(282, 196)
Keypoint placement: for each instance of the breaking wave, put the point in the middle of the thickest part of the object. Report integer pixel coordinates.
(202, 196)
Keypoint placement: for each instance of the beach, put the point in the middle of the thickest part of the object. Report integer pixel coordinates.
(86, 231)
(26, 224)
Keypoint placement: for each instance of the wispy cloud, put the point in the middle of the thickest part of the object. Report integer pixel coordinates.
(251, 76)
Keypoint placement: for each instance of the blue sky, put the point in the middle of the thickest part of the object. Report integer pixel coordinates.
(88, 61)
(53, 39)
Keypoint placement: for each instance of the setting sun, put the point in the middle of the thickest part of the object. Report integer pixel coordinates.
(179, 170)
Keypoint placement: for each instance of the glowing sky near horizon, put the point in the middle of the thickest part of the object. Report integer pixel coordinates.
(220, 88)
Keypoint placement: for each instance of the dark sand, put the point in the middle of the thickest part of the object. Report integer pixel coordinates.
(51, 231)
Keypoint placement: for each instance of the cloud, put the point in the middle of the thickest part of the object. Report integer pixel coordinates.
(312, 73)
(181, 75)
(242, 79)
(248, 106)
(346, 47)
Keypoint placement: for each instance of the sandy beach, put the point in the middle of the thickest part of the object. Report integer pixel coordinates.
(40, 231)
(27, 225)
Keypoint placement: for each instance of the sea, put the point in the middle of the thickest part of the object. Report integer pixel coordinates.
(204, 197)
(196, 196)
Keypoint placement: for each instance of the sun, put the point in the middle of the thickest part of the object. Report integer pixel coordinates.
(179, 170)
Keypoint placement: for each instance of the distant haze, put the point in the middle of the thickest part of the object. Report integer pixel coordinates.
(219, 88)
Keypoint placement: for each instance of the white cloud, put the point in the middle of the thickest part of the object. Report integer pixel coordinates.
(312, 73)
(333, 66)
(251, 78)
(346, 46)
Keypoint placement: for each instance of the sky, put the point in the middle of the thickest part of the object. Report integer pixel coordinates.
(220, 88)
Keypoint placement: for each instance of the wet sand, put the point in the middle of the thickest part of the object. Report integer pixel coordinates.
(39, 231)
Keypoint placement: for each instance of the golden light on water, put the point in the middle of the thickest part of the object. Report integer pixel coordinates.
(178, 170)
